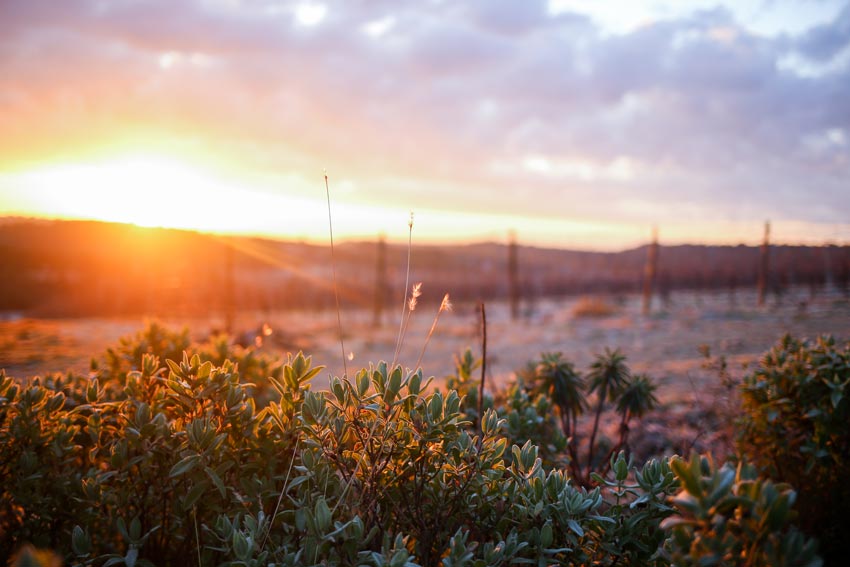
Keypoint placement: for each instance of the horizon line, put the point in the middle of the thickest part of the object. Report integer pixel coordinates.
(428, 242)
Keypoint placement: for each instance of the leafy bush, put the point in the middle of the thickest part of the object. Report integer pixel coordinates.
(180, 464)
(795, 428)
(167, 344)
(525, 415)
(729, 516)
(155, 339)
(614, 387)
(40, 472)
(173, 451)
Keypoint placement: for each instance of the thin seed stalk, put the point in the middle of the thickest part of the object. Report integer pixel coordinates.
(333, 271)
(404, 296)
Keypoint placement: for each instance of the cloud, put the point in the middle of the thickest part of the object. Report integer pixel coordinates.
(825, 41)
(701, 108)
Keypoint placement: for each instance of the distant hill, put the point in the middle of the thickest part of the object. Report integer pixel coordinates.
(71, 268)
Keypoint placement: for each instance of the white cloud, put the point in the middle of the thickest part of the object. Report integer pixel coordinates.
(620, 169)
(377, 28)
(308, 14)
(458, 104)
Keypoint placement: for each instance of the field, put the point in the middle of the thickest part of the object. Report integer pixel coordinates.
(698, 412)
(665, 344)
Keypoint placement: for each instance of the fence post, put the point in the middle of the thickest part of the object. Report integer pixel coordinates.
(650, 270)
(764, 265)
(513, 276)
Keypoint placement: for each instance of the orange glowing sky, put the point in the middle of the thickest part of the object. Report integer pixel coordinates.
(571, 123)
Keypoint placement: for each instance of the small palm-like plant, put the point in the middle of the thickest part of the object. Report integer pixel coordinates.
(557, 378)
(636, 399)
(608, 377)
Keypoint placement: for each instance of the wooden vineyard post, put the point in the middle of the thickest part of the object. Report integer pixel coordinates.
(513, 276)
(650, 269)
(380, 282)
(764, 265)
(828, 277)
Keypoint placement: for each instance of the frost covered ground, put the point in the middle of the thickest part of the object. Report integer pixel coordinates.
(665, 344)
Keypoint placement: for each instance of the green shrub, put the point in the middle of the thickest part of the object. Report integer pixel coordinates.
(40, 466)
(167, 344)
(371, 471)
(525, 415)
(728, 516)
(796, 428)
(611, 383)
(154, 339)
(178, 464)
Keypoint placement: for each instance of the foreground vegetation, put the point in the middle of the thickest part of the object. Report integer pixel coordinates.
(170, 454)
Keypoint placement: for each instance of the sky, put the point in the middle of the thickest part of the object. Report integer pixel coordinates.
(573, 123)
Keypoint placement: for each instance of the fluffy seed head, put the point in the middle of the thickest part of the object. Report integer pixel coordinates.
(414, 296)
(446, 305)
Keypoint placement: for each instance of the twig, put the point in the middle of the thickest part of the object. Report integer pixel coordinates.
(197, 535)
(444, 306)
(412, 302)
(404, 295)
(282, 492)
(336, 289)
(483, 368)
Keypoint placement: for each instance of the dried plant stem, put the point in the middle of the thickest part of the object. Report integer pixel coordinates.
(444, 306)
(333, 270)
(197, 534)
(356, 468)
(404, 295)
(282, 492)
(483, 368)
(415, 292)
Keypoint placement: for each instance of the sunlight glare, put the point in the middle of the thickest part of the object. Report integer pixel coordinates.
(145, 190)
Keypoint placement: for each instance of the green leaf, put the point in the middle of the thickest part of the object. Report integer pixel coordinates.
(323, 515)
(175, 368)
(205, 369)
(835, 397)
(184, 465)
(362, 384)
(216, 481)
(80, 542)
(122, 529)
(689, 475)
(135, 529)
(546, 534)
(194, 494)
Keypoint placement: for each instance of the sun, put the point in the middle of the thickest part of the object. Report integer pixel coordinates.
(145, 190)
(158, 190)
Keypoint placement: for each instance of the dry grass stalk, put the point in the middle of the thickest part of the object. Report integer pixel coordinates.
(333, 271)
(483, 369)
(406, 283)
(444, 306)
(411, 303)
